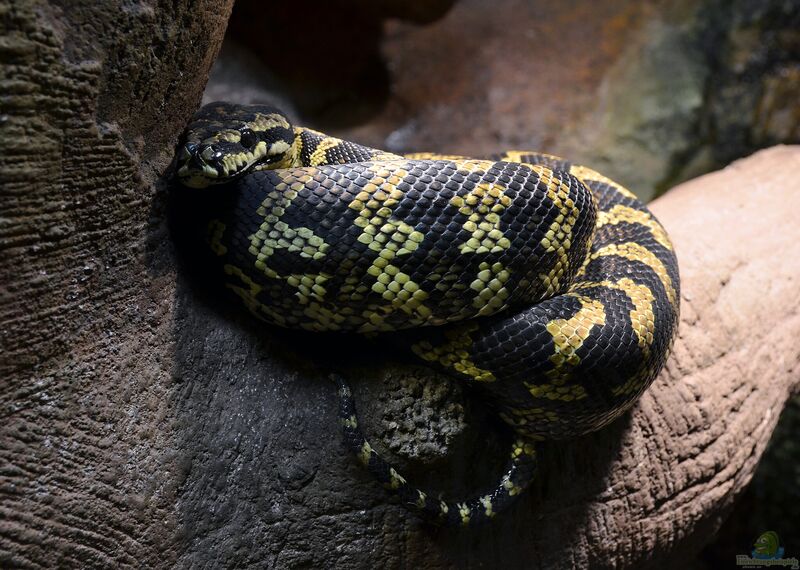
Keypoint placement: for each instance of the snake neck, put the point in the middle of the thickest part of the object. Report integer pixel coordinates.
(312, 148)
(291, 158)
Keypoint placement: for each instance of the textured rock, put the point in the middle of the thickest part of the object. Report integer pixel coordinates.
(92, 98)
(771, 501)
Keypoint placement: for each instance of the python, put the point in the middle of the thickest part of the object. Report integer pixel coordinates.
(543, 284)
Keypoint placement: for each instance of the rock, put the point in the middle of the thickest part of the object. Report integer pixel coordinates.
(93, 98)
(771, 501)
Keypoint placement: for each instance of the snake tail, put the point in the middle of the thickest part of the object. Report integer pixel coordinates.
(472, 512)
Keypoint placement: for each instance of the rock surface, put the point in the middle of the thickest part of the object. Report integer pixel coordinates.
(92, 97)
(146, 423)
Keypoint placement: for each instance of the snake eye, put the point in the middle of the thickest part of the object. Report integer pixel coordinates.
(248, 138)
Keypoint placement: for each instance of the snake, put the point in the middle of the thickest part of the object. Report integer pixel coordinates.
(547, 287)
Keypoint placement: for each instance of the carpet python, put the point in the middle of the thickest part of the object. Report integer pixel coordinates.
(541, 282)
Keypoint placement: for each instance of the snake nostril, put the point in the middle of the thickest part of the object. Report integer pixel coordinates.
(187, 151)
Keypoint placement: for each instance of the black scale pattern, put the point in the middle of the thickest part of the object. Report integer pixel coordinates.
(324, 205)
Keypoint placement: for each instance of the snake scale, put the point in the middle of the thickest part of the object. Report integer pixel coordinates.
(541, 282)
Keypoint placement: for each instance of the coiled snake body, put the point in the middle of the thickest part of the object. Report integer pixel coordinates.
(546, 284)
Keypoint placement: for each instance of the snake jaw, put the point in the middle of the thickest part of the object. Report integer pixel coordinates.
(194, 178)
(204, 165)
(201, 165)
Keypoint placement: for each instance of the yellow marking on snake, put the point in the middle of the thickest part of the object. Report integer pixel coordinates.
(568, 336)
(216, 229)
(291, 158)
(620, 214)
(365, 453)
(642, 318)
(399, 290)
(636, 252)
(323, 318)
(351, 422)
(395, 479)
(287, 159)
(265, 122)
(381, 234)
(389, 238)
(486, 502)
(434, 156)
(510, 487)
(558, 237)
(483, 206)
(249, 295)
(526, 416)
(384, 156)
(523, 156)
(589, 175)
(310, 287)
(455, 353)
(489, 285)
(274, 234)
(463, 512)
(522, 447)
(319, 156)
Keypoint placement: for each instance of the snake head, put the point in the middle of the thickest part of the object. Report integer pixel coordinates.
(224, 141)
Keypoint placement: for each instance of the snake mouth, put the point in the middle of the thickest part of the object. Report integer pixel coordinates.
(197, 178)
(196, 173)
(205, 166)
